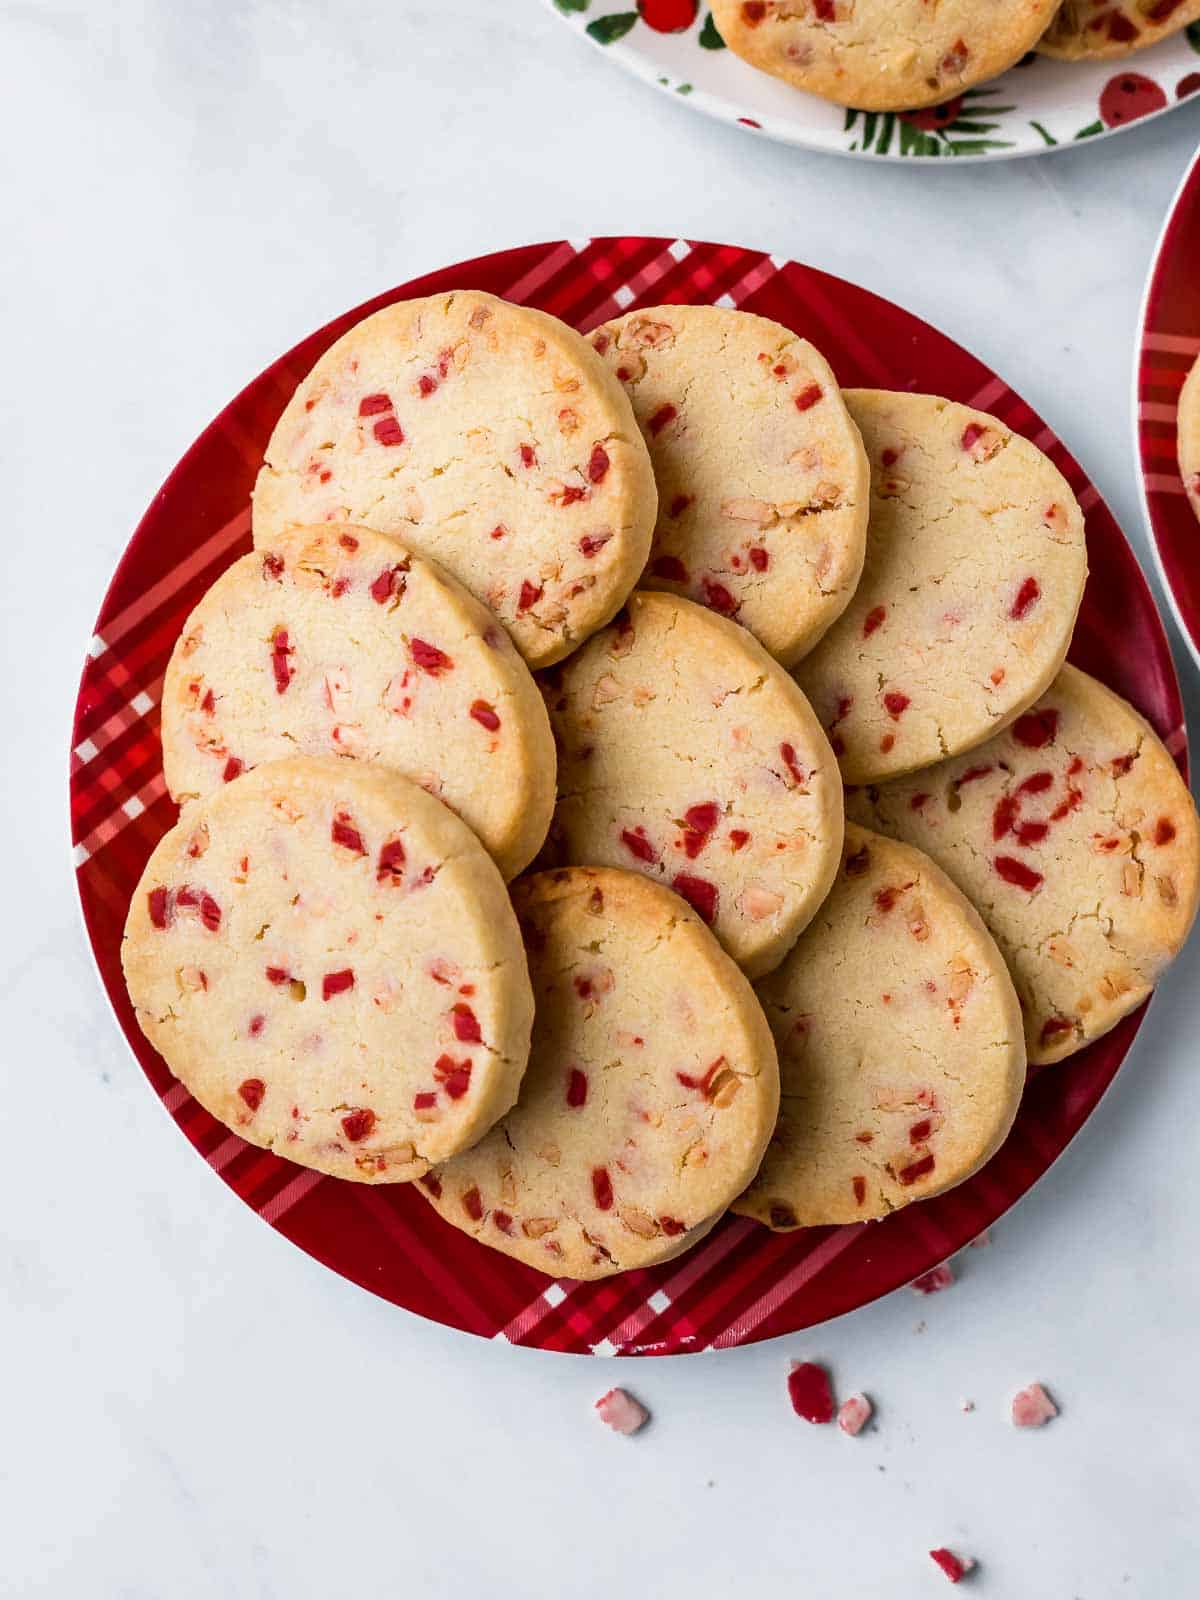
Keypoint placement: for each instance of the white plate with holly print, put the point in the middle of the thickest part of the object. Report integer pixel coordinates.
(1038, 105)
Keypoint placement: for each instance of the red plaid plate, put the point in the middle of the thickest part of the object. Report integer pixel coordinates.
(1170, 343)
(742, 1283)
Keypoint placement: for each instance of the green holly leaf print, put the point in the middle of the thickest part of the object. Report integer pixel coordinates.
(710, 39)
(572, 5)
(1090, 132)
(606, 30)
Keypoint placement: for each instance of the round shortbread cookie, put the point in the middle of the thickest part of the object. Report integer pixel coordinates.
(901, 1052)
(1076, 838)
(763, 484)
(974, 574)
(339, 641)
(882, 55)
(651, 1092)
(1189, 436)
(487, 435)
(326, 957)
(687, 754)
(1093, 29)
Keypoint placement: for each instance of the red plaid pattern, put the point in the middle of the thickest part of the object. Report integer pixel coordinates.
(1170, 344)
(741, 1283)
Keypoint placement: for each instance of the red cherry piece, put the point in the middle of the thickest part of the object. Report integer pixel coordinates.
(738, 838)
(753, 11)
(280, 651)
(636, 842)
(1053, 1027)
(759, 559)
(473, 1204)
(390, 867)
(810, 1392)
(896, 703)
(859, 1185)
(679, 505)
(621, 1412)
(343, 832)
(530, 595)
(672, 1226)
(388, 431)
(278, 976)
(602, 1189)
(466, 1024)
(700, 895)
(454, 1076)
(433, 1184)
(429, 658)
(662, 418)
(210, 913)
(718, 598)
(158, 902)
(598, 464)
(808, 397)
(272, 566)
(918, 1169)
(1036, 729)
(358, 1125)
(391, 581)
(971, 435)
(955, 1567)
(336, 983)
(873, 619)
(577, 1088)
(935, 1280)
(592, 543)
(374, 405)
(1164, 831)
(252, 1091)
(1017, 873)
(256, 1026)
(787, 754)
(1027, 597)
(484, 715)
(528, 456)
(426, 384)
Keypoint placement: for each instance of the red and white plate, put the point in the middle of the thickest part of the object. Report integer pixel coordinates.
(1170, 343)
(742, 1283)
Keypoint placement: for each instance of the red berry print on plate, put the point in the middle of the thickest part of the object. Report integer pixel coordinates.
(1129, 96)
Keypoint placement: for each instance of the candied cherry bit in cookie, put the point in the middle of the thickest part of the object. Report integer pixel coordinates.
(854, 1414)
(636, 842)
(896, 704)
(810, 1392)
(1164, 831)
(598, 464)
(429, 658)
(388, 431)
(699, 894)
(390, 868)
(234, 768)
(358, 1125)
(529, 596)
(662, 418)
(918, 1169)
(1018, 874)
(718, 598)
(454, 1076)
(344, 832)
(1027, 597)
(1054, 1027)
(955, 1567)
(670, 568)
(466, 1024)
(577, 1088)
(1036, 729)
(602, 1189)
(280, 651)
(252, 1091)
(374, 405)
(621, 1412)
(336, 983)
(484, 715)
(158, 903)
(808, 397)
(473, 1204)
(1032, 1407)
(874, 619)
(390, 582)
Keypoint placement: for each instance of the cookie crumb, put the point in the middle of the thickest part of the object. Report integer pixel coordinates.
(621, 1412)
(966, 1405)
(810, 1392)
(934, 1281)
(855, 1413)
(955, 1567)
(1032, 1407)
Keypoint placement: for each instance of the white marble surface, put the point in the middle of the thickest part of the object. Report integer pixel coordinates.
(190, 1407)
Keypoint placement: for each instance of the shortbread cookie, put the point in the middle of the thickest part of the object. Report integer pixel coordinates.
(901, 1051)
(326, 957)
(882, 55)
(1087, 30)
(686, 753)
(339, 641)
(1075, 836)
(763, 485)
(974, 574)
(487, 435)
(651, 1092)
(1189, 436)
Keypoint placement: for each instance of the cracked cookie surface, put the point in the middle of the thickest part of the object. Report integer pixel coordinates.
(901, 1052)
(651, 1091)
(882, 55)
(1086, 30)
(763, 486)
(326, 957)
(1189, 436)
(340, 641)
(688, 754)
(974, 574)
(486, 435)
(1076, 838)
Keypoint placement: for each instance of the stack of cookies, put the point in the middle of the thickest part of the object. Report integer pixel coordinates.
(900, 55)
(721, 978)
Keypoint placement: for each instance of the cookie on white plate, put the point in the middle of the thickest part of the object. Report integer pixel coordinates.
(1095, 30)
(1188, 425)
(901, 1050)
(763, 484)
(651, 1092)
(327, 958)
(974, 574)
(1075, 836)
(340, 641)
(688, 754)
(487, 435)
